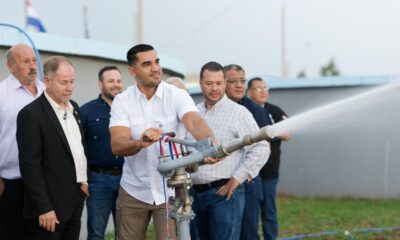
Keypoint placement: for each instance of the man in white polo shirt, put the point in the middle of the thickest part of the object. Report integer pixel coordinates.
(148, 108)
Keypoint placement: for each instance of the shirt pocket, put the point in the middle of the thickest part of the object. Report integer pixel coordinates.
(168, 124)
(138, 125)
(97, 129)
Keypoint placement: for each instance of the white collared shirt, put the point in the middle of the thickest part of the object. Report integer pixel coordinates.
(74, 137)
(13, 97)
(231, 121)
(164, 110)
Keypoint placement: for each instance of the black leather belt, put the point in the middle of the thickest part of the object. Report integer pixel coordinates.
(114, 171)
(207, 186)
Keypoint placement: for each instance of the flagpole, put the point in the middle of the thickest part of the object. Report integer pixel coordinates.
(284, 65)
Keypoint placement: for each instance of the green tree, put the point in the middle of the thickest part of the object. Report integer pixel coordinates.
(302, 74)
(329, 69)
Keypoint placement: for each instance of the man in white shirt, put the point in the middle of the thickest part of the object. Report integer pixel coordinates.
(148, 108)
(18, 89)
(218, 193)
(52, 157)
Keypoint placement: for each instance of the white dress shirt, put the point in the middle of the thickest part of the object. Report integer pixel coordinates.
(13, 97)
(74, 137)
(164, 110)
(231, 121)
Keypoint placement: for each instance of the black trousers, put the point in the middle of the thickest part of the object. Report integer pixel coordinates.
(12, 224)
(65, 230)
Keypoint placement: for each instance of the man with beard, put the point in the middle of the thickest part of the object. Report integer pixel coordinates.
(18, 89)
(148, 109)
(104, 168)
(218, 192)
(52, 157)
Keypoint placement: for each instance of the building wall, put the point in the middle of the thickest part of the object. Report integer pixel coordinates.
(358, 159)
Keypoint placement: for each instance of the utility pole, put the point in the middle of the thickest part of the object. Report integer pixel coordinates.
(86, 21)
(26, 13)
(284, 65)
(139, 30)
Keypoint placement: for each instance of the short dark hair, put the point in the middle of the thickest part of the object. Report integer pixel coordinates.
(105, 69)
(250, 82)
(234, 67)
(53, 63)
(131, 54)
(211, 66)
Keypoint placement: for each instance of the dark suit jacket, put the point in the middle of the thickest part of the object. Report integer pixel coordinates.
(46, 162)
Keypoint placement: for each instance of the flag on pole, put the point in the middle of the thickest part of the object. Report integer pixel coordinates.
(32, 18)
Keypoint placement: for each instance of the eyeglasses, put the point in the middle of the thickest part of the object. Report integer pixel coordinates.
(236, 81)
(259, 90)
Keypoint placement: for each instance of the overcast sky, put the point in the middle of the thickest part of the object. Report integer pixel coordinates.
(363, 36)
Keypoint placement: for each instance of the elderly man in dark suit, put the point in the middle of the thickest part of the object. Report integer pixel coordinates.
(52, 158)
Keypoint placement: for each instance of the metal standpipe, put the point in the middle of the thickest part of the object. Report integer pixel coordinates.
(181, 204)
(176, 171)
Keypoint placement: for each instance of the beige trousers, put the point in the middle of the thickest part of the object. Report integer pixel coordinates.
(133, 217)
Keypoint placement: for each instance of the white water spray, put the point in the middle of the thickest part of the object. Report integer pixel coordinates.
(369, 109)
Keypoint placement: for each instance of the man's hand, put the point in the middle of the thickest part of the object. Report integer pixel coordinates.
(150, 136)
(228, 188)
(210, 160)
(85, 189)
(48, 221)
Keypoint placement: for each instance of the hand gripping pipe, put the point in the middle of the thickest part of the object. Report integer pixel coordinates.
(178, 177)
(166, 166)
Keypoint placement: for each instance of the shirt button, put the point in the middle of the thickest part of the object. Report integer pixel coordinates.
(116, 156)
(95, 137)
(97, 119)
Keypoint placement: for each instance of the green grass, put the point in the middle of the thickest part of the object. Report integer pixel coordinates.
(312, 215)
(306, 215)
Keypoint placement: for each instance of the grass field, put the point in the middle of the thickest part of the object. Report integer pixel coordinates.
(313, 215)
(299, 216)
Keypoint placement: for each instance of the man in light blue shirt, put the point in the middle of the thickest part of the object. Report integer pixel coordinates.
(17, 90)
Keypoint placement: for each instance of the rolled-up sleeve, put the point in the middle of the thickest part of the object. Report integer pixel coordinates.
(255, 155)
(183, 103)
(119, 111)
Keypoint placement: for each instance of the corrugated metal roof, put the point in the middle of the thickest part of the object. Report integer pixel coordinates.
(338, 81)
(81, 47)
(278, 83)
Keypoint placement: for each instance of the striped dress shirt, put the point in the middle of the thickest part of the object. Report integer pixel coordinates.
(230, 121)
